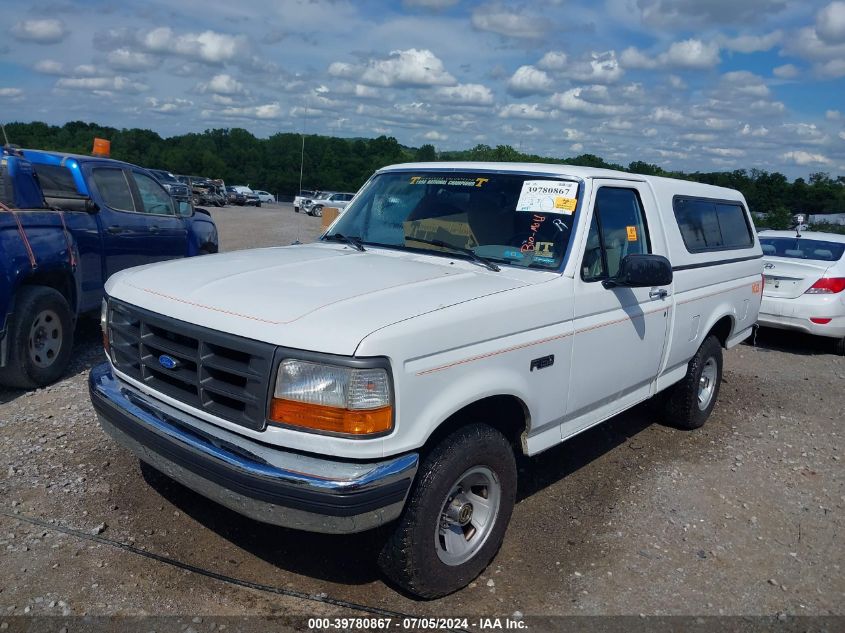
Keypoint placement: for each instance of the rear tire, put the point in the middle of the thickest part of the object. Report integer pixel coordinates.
(456, 514)
(839, 346)
(40, 333)
(689, 403)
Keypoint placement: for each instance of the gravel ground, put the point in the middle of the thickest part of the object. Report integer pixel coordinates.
(743, 517)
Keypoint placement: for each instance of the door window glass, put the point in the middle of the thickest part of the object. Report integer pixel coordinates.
(618, 229)
(153, 197)
(114, 188)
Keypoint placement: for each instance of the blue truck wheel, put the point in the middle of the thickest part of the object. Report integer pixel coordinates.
(40, 338)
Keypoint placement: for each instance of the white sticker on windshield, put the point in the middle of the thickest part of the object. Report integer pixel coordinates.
(548, 196)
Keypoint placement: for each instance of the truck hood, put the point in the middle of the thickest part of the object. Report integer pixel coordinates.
(320, 297)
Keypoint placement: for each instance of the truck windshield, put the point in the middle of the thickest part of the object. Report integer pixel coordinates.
(512, 219)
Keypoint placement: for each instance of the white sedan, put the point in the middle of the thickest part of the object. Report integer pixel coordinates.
(264, 196)
(804, 283)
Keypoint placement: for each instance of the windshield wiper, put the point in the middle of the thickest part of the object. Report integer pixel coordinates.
(354, 242)
(466, 251)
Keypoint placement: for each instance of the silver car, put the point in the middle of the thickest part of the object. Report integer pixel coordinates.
(326, 199)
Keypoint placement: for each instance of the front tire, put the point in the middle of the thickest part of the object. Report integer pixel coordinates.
(456, 515)
(317, 212)
(689, 403)
(40, 338)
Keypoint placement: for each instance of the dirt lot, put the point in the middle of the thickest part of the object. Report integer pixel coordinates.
(743, 517)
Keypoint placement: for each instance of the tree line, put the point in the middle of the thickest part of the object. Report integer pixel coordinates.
(343, 164)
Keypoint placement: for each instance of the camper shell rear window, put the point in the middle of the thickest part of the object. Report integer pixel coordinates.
(712, 225)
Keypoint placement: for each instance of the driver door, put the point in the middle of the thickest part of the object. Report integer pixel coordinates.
(166, 228)
(620, 332)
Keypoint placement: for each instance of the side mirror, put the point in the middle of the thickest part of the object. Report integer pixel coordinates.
(186, 209)
(91, 206)
(642, 271)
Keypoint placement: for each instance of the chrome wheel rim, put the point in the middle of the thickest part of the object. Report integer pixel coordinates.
(45, 338)
(707, 383)
(468, 515)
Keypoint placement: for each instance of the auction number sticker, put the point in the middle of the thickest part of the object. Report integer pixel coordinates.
(548, 196)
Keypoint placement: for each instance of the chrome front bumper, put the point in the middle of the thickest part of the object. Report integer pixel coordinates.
(265, 483)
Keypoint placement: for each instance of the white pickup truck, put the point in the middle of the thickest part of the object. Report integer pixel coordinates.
(456, 314)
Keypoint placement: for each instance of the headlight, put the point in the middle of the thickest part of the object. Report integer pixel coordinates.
(332, 398)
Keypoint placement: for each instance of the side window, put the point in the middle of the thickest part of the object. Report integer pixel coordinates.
(618, 229)
(56, 181)
(114, 188)
(708, 225)
(153, 196)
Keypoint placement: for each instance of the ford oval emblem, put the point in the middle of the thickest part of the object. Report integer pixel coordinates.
(168, 362)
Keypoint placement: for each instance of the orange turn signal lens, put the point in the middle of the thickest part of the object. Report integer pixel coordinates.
(332, 419)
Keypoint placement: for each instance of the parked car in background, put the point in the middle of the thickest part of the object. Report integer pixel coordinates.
(177, 190)
(265, 197)
(235, 197)
(250, 197)
(304, 194)
(805, 283)
(467, 315)
(94, 217)
(326, 199)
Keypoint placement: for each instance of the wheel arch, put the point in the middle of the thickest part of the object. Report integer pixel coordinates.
(722, 328)
(60, 280)
(507, 413)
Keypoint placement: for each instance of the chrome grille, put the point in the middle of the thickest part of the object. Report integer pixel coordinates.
(225, 375)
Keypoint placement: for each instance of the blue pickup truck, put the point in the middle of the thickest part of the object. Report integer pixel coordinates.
(67, 223)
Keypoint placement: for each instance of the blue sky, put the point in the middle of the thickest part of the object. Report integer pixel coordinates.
(687, 84)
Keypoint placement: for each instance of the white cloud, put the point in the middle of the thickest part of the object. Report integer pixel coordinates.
(689, 54)
(806, 158)
(530, 111)
(668, 116)
(746, 83)
(787, 71)
(49, 67)
(752, 43)
(833, 115)
(266, 111)
(832, 69)
(807, 44)
(830, 22)
(497, 18)
(407, 68)
(698, 13)
(10, 93)
(131, 61)
(46, 31)
(578, 100)
(528, 80)
(209, 46)
(553, 60)
(465, 94)
(602, 68)
(173, 106)
(434, 135)
(759, 132)
(102, 84)
(725, 152)
(222, 84)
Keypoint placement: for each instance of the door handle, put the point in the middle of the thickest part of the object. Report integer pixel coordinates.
(115, 229)
(658, 294)
(154, 229)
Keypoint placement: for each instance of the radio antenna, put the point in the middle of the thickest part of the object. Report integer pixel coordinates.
(5, 138)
